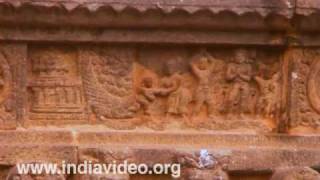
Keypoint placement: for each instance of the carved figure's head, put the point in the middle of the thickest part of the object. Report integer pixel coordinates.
(147, 82)
(203, 63)
(241, 56)
(173, 66)
(203, 60)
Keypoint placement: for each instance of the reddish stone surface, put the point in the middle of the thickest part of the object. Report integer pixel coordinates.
(159, 82)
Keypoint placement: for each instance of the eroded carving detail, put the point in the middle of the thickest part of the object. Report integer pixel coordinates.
(211, 91)
(268, 102)
(313, 86)
(107, 77)
(179, 96)
(239, 75)
(304, 98)
(203, 70)
(158, 88)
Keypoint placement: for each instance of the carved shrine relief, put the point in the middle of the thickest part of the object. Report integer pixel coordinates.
(54, 84)
(305, 94)
(214, 89)
(10, 55)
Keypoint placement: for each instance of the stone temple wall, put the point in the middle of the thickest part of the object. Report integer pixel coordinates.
(157, 81)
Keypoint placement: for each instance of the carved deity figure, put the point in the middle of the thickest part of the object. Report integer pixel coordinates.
(202, 68)
(268, 102)
(146, 94)
(178, 95)
(239, 74)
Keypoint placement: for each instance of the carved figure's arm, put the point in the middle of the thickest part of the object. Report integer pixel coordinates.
(195, 70)
(148, 93)
(246, 75)
(259, 80)
(230, 74)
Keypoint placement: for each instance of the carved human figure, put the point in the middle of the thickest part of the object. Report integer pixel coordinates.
(178, 95)
(146, 94)
(268, 102)
(202, 68)
(239, 74)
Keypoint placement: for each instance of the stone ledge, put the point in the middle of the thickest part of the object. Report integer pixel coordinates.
(12, 154)
(189, 139)
(246, 152)
(238, 159)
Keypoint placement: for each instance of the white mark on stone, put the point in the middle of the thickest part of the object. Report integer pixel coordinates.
(294, 75)
(205, 159)
(289, 4)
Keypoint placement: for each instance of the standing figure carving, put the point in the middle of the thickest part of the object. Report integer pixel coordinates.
(179, 96)
(239, 74)
(268, 103)
(202, 67)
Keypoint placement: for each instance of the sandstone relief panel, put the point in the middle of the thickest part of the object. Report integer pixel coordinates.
(54, 85)
(159, 88)
(215, 89)
(305, 95)
(10, 84)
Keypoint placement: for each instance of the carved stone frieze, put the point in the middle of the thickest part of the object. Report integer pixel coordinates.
(127, 87)
(210, 89)
(228, 89)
